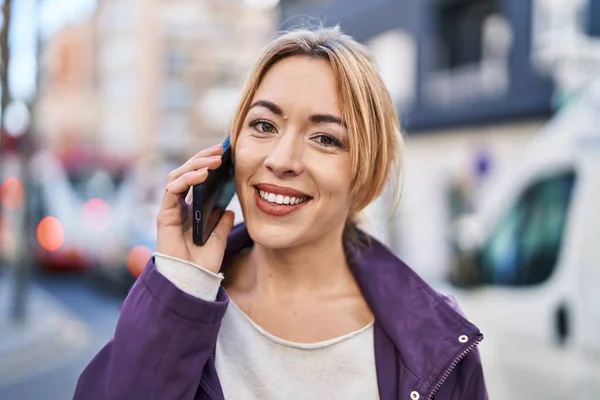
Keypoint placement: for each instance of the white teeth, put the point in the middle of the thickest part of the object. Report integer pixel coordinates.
(280, 199)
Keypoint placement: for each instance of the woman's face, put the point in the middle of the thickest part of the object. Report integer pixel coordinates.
(293, 168)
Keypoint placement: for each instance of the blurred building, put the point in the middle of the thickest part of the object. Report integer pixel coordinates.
(150, 77)
(66, 109)
(169, 72)
(473, 80)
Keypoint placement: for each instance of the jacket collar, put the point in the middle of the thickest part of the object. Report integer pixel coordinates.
(427, 331)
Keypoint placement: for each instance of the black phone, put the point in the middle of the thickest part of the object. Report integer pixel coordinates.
(211, 197)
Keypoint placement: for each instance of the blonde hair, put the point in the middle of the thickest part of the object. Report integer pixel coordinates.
(367, 108)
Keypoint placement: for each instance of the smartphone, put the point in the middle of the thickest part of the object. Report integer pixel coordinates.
(211, 197)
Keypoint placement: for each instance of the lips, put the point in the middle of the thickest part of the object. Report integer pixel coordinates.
(284, 191)
(279, 201)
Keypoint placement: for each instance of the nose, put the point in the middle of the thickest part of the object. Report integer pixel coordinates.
(285, 157)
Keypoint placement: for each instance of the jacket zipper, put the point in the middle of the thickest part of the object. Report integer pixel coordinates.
(455, 362)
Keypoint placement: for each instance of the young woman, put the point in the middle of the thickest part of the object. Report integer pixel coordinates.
(297, 303)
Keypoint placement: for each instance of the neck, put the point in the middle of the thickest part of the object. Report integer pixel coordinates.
(312, 267)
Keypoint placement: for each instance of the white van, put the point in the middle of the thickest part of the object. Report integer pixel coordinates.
(527, 264)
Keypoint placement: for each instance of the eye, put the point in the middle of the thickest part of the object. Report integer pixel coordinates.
(327, 140)
(263, 126)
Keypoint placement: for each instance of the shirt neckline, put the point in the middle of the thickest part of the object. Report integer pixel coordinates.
(299, 345)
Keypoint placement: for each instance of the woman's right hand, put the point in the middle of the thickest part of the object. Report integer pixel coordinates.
(174, 220)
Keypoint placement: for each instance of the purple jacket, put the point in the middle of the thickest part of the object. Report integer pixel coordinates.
(163, 347)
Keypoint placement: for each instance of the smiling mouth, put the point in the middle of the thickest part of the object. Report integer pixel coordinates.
(278, 199)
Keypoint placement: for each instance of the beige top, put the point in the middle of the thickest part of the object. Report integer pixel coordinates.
(253, 364)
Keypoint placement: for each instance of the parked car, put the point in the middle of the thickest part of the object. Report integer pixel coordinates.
(75, 208)
(527, 269)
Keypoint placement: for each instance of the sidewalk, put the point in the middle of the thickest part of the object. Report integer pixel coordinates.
(50, 336)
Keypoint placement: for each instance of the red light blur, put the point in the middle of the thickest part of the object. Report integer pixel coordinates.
(96, 215)
(137, 259)
(12, 193)
(50, 234)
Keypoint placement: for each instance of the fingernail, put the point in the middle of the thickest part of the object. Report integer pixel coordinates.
(216, 146)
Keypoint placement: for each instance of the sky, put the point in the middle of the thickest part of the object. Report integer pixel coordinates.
(48, 16)
(27, 16)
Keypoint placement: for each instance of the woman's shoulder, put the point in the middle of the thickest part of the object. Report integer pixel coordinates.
(390, 284)
(428, 329)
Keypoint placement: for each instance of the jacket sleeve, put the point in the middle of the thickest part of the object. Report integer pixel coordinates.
(466, 382)
(161, 344)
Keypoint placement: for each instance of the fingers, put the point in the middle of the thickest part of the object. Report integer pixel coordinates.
(195, 164)
(182, 185)
(193, 172)
(215, 150)
(224, 226)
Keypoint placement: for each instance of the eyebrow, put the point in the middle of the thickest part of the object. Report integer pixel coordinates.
(326, 119)
(315, 118)
(274, 108)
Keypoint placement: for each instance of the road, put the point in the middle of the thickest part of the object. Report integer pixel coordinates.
(97, 308)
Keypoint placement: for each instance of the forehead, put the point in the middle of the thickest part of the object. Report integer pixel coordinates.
(300, 84)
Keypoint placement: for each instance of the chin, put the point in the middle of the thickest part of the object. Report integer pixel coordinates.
(275, 236)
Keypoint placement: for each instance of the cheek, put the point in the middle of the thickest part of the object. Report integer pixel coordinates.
(334, 179)
(248, 159)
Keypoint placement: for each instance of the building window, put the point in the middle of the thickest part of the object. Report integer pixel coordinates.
(524, 247)
(460, 25)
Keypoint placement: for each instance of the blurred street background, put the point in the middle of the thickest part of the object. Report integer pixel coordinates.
(500, 105)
